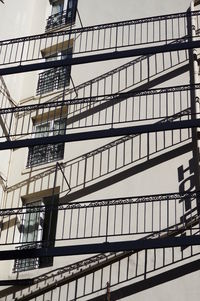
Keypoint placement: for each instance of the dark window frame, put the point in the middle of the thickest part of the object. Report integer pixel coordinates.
(47, 238)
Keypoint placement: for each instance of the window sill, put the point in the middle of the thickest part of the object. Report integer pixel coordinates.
(29, 274)
(28, 170)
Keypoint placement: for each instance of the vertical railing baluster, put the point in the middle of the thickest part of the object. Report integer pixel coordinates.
(85, 223)
(85, 173)
(92, 222)
(116, 38)
(5, 53)
(78, 223)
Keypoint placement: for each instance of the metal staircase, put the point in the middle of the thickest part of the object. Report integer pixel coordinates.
(124, 232)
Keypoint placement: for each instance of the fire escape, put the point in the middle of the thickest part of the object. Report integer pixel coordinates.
(125, 104)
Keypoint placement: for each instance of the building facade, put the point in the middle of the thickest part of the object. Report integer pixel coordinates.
(99, 145)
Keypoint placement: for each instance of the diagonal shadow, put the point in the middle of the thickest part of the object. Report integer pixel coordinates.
(127, 173)
(144, 86)
(152, 281)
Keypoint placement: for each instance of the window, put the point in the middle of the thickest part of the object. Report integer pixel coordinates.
(59, 16)
(41, 154)
(36, 230)
(55, 78)
(71, 11)
(56, 14)
(57, 7)
(31, 229)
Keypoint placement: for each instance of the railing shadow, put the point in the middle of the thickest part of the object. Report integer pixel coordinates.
(88, 278)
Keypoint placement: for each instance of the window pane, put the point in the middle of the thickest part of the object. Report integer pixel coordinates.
(57, 7)
(31, 224)
(59, 127)
(42, 130)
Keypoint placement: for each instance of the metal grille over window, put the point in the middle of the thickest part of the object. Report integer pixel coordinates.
(26, 264)
(53, 79)
(45, 154)
(62, 17)
(40, 154)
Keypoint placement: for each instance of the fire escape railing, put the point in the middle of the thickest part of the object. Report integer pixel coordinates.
(99, 42)
(68, 277)
(104, 84)
(90, 168)
(168, 216)
(6, 121)
(136, 111)
(99, 221)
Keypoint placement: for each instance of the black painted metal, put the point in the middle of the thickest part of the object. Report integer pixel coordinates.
(144, 244)
(28, 53)
(18, 282)
(64, 18)
(106, 219)
(100, 57)
(112, 110)
(112, 132)
(53, 79)
(168, 124)
(98, 98)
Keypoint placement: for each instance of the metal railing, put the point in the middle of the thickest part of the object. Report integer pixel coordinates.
(118, 269)
(103, 39)
(104, 161)
(99, 221)
(57, 21)
(6, 101)
(135, 73)
(109, 111)
(112, 83)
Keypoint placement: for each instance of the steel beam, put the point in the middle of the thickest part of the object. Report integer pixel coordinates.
(101, 57)
(113, 132)
(137, 245)
(18, 282)
(99, 98)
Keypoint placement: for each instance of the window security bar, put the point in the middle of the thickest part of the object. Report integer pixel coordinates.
(53, 79)
(45, 154)
(27, 263)
(59, 21)
(102, 112)
(63, 18)
(130, 218)
(132, 37)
